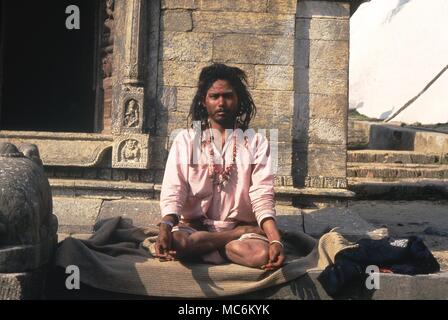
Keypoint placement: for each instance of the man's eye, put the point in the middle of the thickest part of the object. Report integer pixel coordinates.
(214, 96)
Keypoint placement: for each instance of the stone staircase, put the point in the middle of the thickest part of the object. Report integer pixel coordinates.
(399, 174)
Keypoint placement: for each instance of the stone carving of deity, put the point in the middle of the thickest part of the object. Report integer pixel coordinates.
(131, 116)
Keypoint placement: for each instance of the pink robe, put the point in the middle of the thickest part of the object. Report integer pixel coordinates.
(188, 191)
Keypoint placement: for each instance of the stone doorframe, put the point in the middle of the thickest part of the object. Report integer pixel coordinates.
(129, 140)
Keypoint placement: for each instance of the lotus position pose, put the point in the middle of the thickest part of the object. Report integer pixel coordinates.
(217, 197)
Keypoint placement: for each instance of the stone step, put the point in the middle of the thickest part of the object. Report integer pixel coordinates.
(392, 156)
(393, 171)
(402, 189)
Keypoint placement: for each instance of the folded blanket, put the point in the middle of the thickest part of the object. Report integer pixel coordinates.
(117, 258)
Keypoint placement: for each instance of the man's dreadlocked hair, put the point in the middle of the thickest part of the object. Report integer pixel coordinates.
(237, 79)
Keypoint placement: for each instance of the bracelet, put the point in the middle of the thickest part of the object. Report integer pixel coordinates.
(168, 223)
(276, 241)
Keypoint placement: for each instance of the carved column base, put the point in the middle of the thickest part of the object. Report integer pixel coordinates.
(131, 151)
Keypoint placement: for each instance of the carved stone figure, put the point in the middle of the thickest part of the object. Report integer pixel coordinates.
(27, 226)
(131, 116)
(130, 151)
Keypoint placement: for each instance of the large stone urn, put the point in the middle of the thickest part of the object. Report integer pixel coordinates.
(28, 229)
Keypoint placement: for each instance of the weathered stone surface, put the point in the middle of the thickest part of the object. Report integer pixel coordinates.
(180, 4)
(283, 6)
(255, 49)
(22, 286)
(185, 97)
(320, 81)
(252, 23)
(15, 259)
(130, 151)
(142, 213)
(322, 54)
(320, 160)
(98, 189)
(232, 5)
(326, 183)
(321, 106)
(177, 20)
(320, 131)
(349, 224)
(159, 153)
(390, 172)
(322, 29)
(76, 211)
(385, 156)
(273, 102)
(187, 46)
(25, 199)
(183, 74)
(309, 9)
(168, 99)
(274, 77)
(64, 149)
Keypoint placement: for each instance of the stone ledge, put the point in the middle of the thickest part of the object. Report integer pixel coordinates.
(148, 188)
(64, 149)
(26, 258)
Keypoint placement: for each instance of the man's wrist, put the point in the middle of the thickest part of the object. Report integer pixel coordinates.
(166, 223)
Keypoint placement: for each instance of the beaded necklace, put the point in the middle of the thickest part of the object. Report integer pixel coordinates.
(220, 176)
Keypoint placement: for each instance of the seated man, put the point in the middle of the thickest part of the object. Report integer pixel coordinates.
(217, 197)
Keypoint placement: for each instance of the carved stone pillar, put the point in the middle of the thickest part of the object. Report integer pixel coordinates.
(128, 109)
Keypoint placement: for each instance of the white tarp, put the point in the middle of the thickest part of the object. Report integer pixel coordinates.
(396, 48)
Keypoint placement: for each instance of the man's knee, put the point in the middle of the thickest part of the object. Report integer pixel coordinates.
(181, 243)
(248, 254)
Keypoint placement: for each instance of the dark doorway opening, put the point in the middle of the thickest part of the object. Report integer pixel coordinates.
(47, 70)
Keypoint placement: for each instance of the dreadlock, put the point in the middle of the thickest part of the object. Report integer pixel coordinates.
(237, 78)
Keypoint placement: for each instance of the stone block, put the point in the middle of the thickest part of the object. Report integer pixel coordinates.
(274, 77)
(90, 173)
(118, 175)
(86, 212)
(105, 174)
(177, 20)
(310, 9)
(322, 54)
(273, 103)
(185, 97)
(320, 131)
(320, 81)
(244, 22)
(320, 160)
(168, 98)
(142, 213)
(321, 106)
(350, 225)
(186, 46)
(130, 151)
(180, 4)
(23, 286)
(282, 6)
(254, 49)
(232, 5)
(322, 29)
(183, 74)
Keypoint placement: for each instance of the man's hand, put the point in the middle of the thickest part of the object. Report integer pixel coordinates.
(164, 244)
(276, 257)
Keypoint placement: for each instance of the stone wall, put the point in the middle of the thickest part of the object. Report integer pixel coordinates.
(254, 35)
(295, 54)
(321, 99)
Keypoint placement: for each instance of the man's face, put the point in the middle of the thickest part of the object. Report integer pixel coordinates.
(221, 103)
